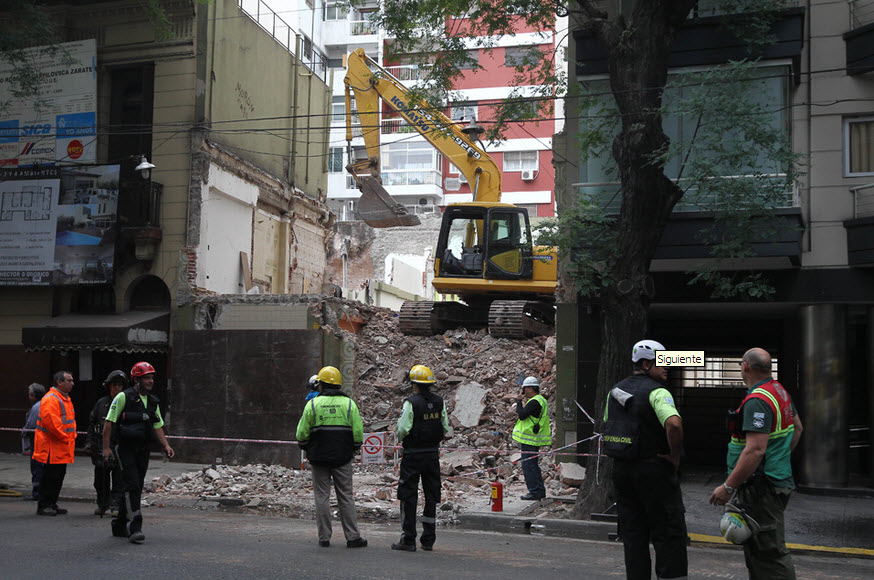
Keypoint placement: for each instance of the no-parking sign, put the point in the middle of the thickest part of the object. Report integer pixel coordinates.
(372, 448)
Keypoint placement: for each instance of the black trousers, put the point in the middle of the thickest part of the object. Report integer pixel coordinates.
(50, 484)
(413, 466)
(133, 462)
(106, 482)
(650, 507)
(35, 476)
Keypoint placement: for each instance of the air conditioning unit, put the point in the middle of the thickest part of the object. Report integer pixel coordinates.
(462, 178)
(528, 175)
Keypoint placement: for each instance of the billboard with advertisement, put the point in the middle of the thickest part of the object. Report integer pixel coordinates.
(57, 125)
(58, 225)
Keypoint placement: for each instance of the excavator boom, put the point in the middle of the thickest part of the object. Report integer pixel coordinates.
(485, 254)
(372, 84)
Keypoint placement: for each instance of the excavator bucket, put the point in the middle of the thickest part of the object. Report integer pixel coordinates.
(377, 208)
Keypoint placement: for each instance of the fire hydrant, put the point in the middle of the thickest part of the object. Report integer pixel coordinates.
(497, 496)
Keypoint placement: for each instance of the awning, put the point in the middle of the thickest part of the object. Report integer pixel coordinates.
(133, 331)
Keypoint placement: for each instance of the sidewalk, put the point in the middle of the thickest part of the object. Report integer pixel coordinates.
(814, 523)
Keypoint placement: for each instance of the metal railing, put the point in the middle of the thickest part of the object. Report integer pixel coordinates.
(861, 13)
(406, 72)
(282, 32)
(363, 27)
(863, 200)
(392, 126)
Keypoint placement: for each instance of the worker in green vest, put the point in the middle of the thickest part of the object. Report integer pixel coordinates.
(532, 433)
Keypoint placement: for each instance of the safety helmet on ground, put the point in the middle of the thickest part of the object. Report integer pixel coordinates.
(645, 350)
(531, 382)
(115, 377)
(736, 525)
(141, 368)
(329, 376)
(422, 374)
(314, 383)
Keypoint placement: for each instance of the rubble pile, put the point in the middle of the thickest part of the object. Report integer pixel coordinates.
(478, 377)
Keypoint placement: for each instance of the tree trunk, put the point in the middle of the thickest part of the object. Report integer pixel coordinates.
(638, 64)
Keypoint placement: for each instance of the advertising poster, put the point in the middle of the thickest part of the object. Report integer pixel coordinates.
(58, 124)
(58, 225)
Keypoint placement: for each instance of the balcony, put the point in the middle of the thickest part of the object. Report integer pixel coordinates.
(139, 213)
(682, 237)
(860, 229)
(860, 38)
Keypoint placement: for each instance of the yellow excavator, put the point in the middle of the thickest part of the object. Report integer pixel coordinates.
(485, 255)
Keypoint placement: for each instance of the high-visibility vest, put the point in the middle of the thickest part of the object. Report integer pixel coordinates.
(55, 435)
(524, 433)
(776, 462)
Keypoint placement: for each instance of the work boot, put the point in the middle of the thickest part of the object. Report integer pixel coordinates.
(428, 547)
(136, 537)
(49, 511)
(404, 547)
(324, 543)
(59, 510)
(99, 511)
(357, 543)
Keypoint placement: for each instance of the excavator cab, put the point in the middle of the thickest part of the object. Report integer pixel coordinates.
(491, 242)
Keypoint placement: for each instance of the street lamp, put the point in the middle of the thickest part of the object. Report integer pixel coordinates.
(145, 168)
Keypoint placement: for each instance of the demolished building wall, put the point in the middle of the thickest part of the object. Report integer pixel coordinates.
(367, 251)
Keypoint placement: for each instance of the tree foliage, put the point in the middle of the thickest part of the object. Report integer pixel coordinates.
(705, 140)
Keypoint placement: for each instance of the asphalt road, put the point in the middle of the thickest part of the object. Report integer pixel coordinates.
(187, 543)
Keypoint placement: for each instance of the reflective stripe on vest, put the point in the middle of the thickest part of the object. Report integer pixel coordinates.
(778, 429)
(331, 427)
(523, 431)
(64, 420)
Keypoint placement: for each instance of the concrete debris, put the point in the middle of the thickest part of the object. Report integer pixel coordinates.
(572, 474)
(469, 404)
(478, 377)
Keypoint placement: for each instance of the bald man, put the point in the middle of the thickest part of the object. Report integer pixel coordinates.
(766, 430)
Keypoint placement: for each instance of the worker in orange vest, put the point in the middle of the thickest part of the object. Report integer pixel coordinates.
(55, 442)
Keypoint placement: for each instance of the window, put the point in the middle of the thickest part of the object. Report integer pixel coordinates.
(521, 55)
(338, 109)
(471, 60)
(859, 140)
(335, 160)
(412, 155)
(336, 11)
(519, 160)
(463, 112)
(769, 88)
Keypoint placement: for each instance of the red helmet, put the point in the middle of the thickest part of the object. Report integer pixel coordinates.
(141, 368)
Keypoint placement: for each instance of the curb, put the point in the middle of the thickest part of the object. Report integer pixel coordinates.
(577, 529)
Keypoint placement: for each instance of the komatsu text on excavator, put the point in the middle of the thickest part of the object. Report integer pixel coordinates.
(485, 255)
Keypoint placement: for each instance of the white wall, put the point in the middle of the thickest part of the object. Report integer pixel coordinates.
(226, 230)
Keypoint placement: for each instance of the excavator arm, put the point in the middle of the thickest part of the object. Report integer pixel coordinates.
(370, 83)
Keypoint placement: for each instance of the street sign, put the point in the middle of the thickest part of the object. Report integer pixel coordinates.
(372, 449)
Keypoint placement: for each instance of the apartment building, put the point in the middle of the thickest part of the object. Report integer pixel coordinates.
(413, 171)
(819, 324)
(165, 168)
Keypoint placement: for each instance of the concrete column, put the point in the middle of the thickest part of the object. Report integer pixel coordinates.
(824, 412)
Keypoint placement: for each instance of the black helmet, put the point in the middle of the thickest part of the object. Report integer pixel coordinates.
(115, 376)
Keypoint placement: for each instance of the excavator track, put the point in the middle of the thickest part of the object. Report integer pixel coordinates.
(520, 319)
(427, 318)
(415, 318)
